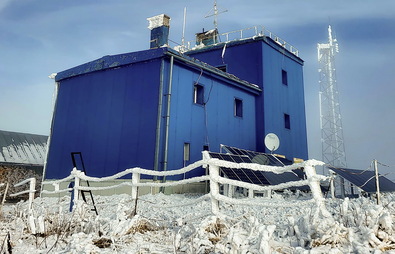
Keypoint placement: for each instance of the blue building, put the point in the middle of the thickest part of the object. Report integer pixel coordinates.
(159, 108)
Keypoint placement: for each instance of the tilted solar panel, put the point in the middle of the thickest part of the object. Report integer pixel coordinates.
(271, 160)
(365, 179)
(244, 175)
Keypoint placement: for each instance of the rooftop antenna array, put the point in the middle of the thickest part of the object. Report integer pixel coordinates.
(333, 150)
(214, 12)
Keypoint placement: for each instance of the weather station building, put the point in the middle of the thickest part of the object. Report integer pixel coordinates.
(160, 108)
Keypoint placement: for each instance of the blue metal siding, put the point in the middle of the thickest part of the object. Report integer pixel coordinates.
(261, 62)
(241, 60)
(212, 124)
(110, 116)
(280, 99)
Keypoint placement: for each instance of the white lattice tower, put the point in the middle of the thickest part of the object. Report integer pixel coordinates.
(333, 149)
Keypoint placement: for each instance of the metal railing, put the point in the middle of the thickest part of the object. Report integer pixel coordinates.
(242, 34)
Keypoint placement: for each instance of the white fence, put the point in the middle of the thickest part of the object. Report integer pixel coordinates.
(31, 190)
(214, 178)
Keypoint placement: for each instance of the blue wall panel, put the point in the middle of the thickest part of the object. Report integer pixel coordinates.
(110, 116)
(280, 99)
(260, 62)
(212, 124)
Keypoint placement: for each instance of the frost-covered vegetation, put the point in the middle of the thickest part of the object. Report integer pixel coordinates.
(287, 223)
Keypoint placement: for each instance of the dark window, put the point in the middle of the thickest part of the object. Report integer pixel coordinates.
(222, 68)
(287, 121)
(206, 148)
(284, 77)
(238, 107)
(198, 94)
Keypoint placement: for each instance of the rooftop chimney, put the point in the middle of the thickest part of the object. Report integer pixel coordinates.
(159, 26)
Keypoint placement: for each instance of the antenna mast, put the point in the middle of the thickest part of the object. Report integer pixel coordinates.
(214, 12)
(333, 150)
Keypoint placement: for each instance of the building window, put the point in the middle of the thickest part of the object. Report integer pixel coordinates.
(198, 94)
(238, 107)
(187, 151)
(287, 121)
(284, 77)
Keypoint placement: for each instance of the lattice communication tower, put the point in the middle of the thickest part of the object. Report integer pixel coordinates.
(333, 149)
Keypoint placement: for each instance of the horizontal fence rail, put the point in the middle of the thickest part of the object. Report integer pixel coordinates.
(213, 165)
(31, 190)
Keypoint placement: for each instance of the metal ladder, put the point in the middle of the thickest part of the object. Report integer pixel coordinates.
(82, 168)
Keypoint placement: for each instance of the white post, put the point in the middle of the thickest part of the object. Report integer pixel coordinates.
(32, 190)
(76, 189)
(377, 181)
(332, 183)
(231, 189)
(250, 193)
(135, 181)
(226, 190)
(333, 187)
(315, 188)
(314, 184)
(5, 193)
(214, 188)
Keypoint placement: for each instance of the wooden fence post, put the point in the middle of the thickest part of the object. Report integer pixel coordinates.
(314, 184)
(315, 188)
(76, 187)
(135, 181)
(32, 190)
(214, 188)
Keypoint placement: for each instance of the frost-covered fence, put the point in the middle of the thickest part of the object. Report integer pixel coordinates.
(214, 178)
(312, 180)
(31, 190)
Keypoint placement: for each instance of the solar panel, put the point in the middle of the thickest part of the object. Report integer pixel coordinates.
(361, 178)
(244, 175)
(271, 160)
(257, 157)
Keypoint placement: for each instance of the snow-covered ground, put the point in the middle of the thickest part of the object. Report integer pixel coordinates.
(287, 223)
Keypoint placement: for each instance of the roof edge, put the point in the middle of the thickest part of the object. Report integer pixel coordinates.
(111, 61)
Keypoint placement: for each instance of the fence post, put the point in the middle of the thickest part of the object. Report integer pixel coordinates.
(214, 188)
(313, 183)
(76, 187)
(315, 187)
(376, 171)
(332, 184)
(135, 181)
(32, 190)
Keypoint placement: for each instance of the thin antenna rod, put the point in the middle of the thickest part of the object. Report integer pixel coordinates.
(183, 27)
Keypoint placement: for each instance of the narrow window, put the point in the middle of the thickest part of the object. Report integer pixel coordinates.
(287, 121)
(187, 150)
(198, 94)
(284, 77)
(238, 107)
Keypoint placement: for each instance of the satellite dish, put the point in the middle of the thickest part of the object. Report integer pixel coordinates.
(272, 142)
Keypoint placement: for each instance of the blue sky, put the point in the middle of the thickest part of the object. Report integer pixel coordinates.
(42, 37)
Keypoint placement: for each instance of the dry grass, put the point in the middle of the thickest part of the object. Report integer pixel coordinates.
(142, 226)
